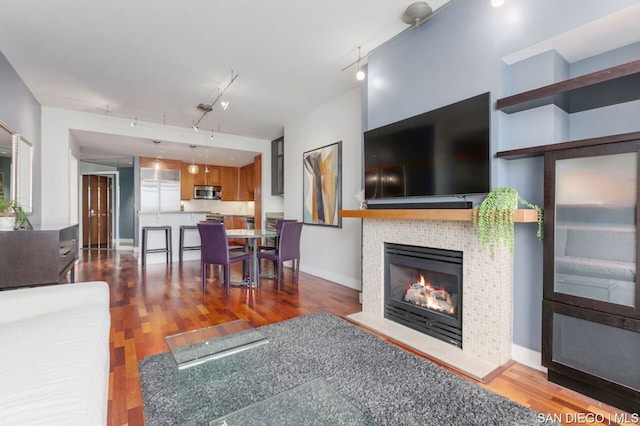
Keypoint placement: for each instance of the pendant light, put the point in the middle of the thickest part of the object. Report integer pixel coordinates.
(156, 164)
(360, 74)
(193, 167)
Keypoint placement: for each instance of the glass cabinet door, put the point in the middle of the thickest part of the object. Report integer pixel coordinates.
(594, 228)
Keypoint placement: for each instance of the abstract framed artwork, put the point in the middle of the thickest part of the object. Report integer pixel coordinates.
(322, 185)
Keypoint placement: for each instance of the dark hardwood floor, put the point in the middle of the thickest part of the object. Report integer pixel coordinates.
(151, 303)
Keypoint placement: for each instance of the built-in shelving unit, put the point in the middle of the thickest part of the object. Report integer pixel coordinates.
(585, 299)
(459, 215)
(595, 90)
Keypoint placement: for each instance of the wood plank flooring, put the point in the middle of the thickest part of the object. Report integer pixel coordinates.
(151, 303)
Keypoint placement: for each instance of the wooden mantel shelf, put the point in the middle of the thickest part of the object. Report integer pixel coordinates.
(460, 215)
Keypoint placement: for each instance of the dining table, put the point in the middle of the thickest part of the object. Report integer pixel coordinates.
(252, 236)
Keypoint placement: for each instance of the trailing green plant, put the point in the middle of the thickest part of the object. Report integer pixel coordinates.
(493, 218)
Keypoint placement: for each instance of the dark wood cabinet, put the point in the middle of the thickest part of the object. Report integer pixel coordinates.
(277, 166)
(591, 301)
(44, 255)
(246, 184)
(230, 177)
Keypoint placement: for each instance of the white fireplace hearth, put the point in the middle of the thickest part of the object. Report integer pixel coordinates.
(487, 320)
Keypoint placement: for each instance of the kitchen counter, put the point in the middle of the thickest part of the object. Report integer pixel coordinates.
(274, 215)
(174, 212)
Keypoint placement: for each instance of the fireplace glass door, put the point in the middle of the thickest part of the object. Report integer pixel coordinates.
(423, 290)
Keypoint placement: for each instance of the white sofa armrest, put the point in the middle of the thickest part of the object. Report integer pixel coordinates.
(19, 304)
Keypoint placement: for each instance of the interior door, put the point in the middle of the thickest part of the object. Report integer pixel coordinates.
(97, 211)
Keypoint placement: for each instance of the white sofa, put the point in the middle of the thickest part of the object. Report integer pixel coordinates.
(54, 355)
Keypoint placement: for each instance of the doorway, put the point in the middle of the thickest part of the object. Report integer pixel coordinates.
(97, 211)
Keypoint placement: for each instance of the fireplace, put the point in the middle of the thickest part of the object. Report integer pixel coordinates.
(423, 290)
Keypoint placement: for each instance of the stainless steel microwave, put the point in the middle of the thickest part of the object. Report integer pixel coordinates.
(206, 192)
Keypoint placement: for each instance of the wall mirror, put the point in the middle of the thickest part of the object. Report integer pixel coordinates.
(22, 168)
(16, 168)
(6, 154)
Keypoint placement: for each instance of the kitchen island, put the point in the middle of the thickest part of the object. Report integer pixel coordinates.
(175, 219)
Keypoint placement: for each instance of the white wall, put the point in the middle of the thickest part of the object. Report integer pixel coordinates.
(59, 180)
(328, 252)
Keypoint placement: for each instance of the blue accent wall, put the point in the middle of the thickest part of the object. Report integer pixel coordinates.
(459, 54)
(20, 110)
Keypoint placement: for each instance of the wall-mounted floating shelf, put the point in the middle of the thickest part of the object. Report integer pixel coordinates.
(460, 215)
(595, 90)
(538, 151)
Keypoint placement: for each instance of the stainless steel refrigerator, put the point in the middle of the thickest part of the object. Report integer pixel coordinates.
(159, 190)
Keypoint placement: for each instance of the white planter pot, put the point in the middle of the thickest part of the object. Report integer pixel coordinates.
(7, 223)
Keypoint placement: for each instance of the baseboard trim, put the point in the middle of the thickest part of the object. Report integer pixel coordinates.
(336, 278)
(527, 356)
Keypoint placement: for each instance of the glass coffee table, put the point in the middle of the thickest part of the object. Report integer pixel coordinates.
(207, 344)
(313, 403)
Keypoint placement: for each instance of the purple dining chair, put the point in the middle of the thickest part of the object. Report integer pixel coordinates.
(279, 223)
(215, 251)
(288, 249)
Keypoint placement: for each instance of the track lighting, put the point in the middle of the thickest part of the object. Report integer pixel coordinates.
(193, 167)
(134, 123)
(207, 108)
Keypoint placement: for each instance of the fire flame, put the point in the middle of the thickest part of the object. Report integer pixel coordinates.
(424, 294)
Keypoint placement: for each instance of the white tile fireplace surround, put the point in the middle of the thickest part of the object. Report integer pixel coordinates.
(487, 292)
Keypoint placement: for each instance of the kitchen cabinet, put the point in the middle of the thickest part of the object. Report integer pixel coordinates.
(186, 183)
(235, 222)
(213, 177)
(187, 180)
(230, 177)
(200, 177)
(246, 188)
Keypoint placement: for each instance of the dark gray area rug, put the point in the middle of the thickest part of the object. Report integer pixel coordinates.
(393, 386)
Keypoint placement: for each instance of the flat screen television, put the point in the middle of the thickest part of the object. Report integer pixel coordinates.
(444, 152)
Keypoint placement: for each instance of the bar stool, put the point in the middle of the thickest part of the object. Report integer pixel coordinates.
(166, 249)
(182, 247)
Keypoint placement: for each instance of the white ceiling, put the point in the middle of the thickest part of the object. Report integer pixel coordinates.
(158, 59)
